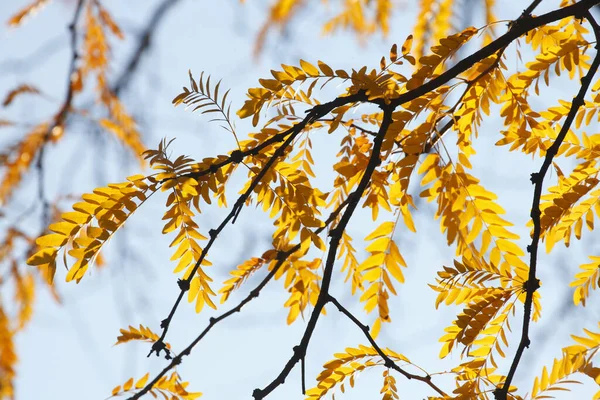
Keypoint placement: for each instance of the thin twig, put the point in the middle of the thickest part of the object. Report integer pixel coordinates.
(313, 115)
(389, 363)
(521, 27)
(281, 258)
(527, 12)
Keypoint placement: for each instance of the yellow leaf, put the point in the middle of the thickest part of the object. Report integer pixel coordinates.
(52, 240)
(142, 382)
(309, 68)
(44, 256)
(509, 247)
(384, 229)
(127, 385)
(65, 228)
(376, 328)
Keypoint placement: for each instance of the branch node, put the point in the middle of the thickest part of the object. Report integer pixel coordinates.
(254, 293)
(333, 232)
(164, 324)
(212, 320)
(535, 177)
(532, 286)
(257, 394)
(159, 346)
(183, 284)
(212, 233)
(237, 156)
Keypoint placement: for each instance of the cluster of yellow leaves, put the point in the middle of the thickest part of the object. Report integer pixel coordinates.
(363, 17)
(433, 64)
(302, 280)
(576, 358)
(588, 278)
(143, 333)
(95, 58)
(171, 388)
(242, 273)
(280, 91)
(346, 366)
(83, 232)
(389, 390)
(20, 160)
(470, 216)
(466, 211)
(184, 192)
(562, 48)
(560, 213)
(8, 356)
(15, 311)
(559, 374)
(376, 271)
(98, 23)
(199, 97)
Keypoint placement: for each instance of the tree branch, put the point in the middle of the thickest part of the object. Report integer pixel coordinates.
(537, 178)
(281, 257)
(389, 363)
(313, 115)
(336, 235)
(520, 27)
(143, 45)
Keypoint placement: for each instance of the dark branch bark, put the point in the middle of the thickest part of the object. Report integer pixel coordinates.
(388, 361)
(336, 236)
(254, 293)
(537, 178)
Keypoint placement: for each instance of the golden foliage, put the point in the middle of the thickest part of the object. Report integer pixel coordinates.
(345, 367)
(82, 232)
(184, 192)
(26, 12)
(171, 388)
(200, 98)
(378, 269)
(8, 356)
(423, 108)
(143, 333)
(588, 278)
(242, 273)
(20, 161)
